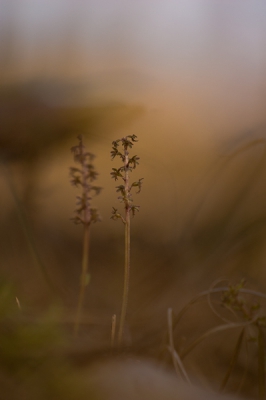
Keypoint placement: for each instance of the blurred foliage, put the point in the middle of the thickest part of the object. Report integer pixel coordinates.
(225, 231)
(32, 361)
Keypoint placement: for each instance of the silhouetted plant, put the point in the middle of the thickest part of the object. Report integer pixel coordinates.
(125, 197)
(85, 214)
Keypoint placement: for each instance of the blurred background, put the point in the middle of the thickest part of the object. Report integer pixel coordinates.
(189, 79)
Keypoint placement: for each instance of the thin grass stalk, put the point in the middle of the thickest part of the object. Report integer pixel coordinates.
(84, 278)
(218, 328)
(175, 356)
(245, 373)
(233, 360)
(201, 295)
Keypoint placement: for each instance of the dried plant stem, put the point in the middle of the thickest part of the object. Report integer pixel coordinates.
(233, 360)
(84, 277)
(175, 356)
(127, 255)
(211, 331)
(85, 214)
(129, 163)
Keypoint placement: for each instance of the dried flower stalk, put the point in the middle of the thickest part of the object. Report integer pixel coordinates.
(125, 196)
(85, 214)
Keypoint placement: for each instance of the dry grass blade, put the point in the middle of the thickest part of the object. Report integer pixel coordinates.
(201, 295)
(175, 356)
(245, 369)
(211, 303)
(233, 360)
(212, 331)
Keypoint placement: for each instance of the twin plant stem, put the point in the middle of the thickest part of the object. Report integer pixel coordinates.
(85, 214)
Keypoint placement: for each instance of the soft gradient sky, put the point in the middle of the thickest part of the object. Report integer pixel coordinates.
(209, 53)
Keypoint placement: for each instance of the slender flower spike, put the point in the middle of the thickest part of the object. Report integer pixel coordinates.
(125, 197)
(83, 177)
(129, 163)
(85, 214)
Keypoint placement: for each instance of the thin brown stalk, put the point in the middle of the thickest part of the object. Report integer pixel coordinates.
(233, 360)
(175, 356)
(84, 278)
(129, 163)
(218, 328)
(127, 256)
(84, 177)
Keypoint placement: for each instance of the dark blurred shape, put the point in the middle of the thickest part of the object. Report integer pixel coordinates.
(35, 117)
